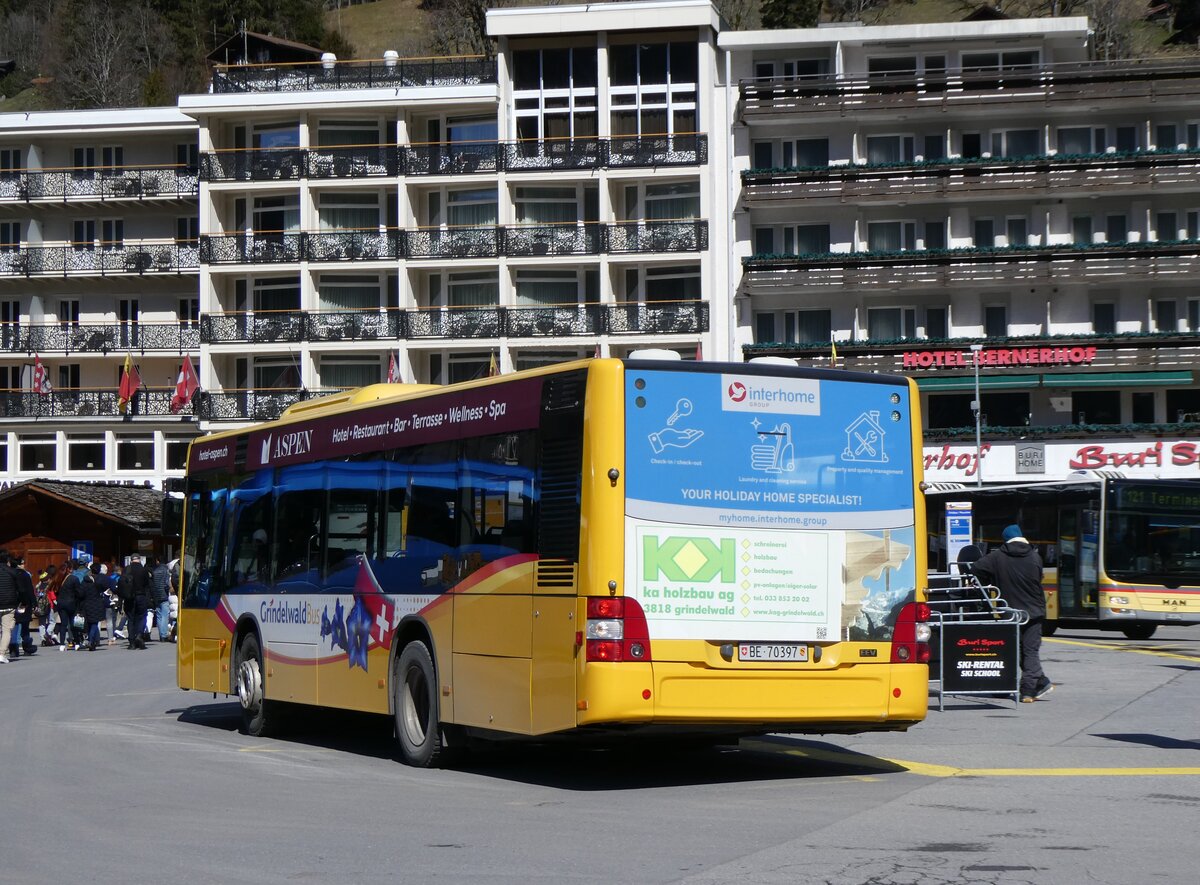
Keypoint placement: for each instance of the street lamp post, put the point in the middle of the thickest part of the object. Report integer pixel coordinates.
(977, 408)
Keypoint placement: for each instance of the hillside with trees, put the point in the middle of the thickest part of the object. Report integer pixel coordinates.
(124, 53)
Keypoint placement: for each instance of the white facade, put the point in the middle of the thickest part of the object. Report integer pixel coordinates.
(624, 176)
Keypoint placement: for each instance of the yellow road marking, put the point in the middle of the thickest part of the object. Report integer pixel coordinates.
(1111, 647)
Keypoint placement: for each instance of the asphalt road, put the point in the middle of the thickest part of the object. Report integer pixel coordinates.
(114, 775)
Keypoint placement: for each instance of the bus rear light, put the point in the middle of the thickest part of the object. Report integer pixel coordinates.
(616, 630)
(910, 638)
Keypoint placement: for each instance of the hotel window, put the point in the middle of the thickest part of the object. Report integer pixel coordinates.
(187, 230)
(1016, 231)
(1166, 316)
(901, 66)
(112, 234)
(135, 453)
(11, 164)
(276, 373)
(464, 208)
(663, 284)
(791, 68)
(554, 94)
(10, 236)
(83, 162)
(1012, 59)
(37, 453)
(888, 323)
(85, 454)
(83, 235)
(277, 215)
(68, 377)
(983, 233)
(808, 326)
(460, 367)
(934, 147)
(465, 289)
(348, 211)
(972, 145)
(1126, 139)
(1166, 225)
(1017, 143)
(347, 133)
(3, 455)
(791, 153)
(176, 451)
(1166, 137)
(663, 202)
(551, 205)
(1193, 225)
(764, 155)
(10, 330)
(277, 293)
(68, 311)
(187, 157)
(562, 287)
(889, 148)
(653, 88)
(935, 235)
(800, 239)
(1081, 230)
(891, 236)
(1096, 406)
(1193, 315)
(1104, 318)
(348, 292)
(1142, 402)
(1076, 140)
(1116, 228)
(275, 135)
(347, 372)
(995, 321)
(936, 322)
(189, 313)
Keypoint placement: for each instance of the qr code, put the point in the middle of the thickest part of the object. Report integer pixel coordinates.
(821, 633)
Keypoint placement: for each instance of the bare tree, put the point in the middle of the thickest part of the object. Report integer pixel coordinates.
(740, 15)
(1113, 22)
(21, 37)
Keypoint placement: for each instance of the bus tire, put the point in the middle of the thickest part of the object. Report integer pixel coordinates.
(1139, 631)
(259, 717)
(414, 684)
(1049, 628)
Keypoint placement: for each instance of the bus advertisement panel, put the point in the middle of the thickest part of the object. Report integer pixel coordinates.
(769, 509)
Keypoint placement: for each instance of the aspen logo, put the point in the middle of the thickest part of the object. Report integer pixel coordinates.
(689, 559)
(779, 396)
(286, 445)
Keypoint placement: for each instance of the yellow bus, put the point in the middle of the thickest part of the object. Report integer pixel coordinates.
(1120, 554)
(595, 549)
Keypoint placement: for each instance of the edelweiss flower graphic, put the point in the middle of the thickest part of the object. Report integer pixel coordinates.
(358, 634)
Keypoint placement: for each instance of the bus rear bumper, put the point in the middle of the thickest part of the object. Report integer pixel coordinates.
(862, 697)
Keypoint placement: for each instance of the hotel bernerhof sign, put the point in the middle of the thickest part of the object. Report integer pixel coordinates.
(1024, 461)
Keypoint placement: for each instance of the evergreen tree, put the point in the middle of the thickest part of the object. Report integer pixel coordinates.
(778, 14)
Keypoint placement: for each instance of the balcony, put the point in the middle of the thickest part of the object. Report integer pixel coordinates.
(683, 235)
(554, 239)
(109, 260)
(86, 403)
(456, 323)
(453, 158)
(958, 178)
(259, 247)
(449, 243)
(102, 338)
(104, 185)
(1009, 266)
(1135, 81)
(265, 404)
(404, 73)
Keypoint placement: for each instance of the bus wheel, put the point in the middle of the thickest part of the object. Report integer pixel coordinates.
(258, 717)
(416, 705)
(1049, 628)
(1139, 631)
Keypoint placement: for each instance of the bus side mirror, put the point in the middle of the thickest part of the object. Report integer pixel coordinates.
(172, 516)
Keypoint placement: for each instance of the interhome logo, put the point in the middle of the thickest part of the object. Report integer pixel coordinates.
(787, 396)
(296, 442)
(699, 560)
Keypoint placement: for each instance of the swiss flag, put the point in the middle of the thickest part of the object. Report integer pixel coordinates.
(185, 386)
(41, 378)
(381, 609)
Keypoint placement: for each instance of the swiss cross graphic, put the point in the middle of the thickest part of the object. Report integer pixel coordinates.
(381, 609)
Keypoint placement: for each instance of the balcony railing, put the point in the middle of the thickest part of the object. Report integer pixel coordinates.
(554, 239)
(154, 402)
(491, 241)
(90, 183)
(484, 321)
(454, 158)
(393, 73)
(99, 337)
(264, 404)
(938, 179)
(75, 260)
(658, 236)
(1150, 79)
(1014, 265)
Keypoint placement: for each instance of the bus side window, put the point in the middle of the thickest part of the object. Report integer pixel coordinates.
(352, 514)
(299, 527)
(250, 538)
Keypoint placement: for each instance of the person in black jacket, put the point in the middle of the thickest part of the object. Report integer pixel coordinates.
(68, 603)
(92, 604)
(22, 639)
(1016, 570)
(135, 590)
(9, 599)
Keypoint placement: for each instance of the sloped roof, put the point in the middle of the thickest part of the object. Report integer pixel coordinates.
(134, 506)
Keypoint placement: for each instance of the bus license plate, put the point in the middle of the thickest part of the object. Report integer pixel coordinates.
(764, 651)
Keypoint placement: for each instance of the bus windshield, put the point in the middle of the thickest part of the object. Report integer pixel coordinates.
(1152, 534)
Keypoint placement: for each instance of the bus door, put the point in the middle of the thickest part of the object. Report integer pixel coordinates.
(1078, 555)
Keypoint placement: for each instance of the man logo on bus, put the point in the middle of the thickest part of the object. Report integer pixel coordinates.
(737, 391)
(689, 559)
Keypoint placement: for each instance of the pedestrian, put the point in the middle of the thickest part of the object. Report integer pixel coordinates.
(68, 602)
(134, 590)
(22, 638)
(160, 595)
(1015, 568)
(46, 595)
(92, 604)
(9, 599)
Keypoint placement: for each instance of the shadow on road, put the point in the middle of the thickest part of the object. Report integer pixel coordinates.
(628, 764)
(1153, 740)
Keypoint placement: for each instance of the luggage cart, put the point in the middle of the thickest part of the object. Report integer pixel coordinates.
(978, 639)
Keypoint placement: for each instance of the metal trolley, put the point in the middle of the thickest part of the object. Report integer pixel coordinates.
(977, 639)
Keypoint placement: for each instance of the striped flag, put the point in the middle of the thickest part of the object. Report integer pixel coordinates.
(41, 377)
